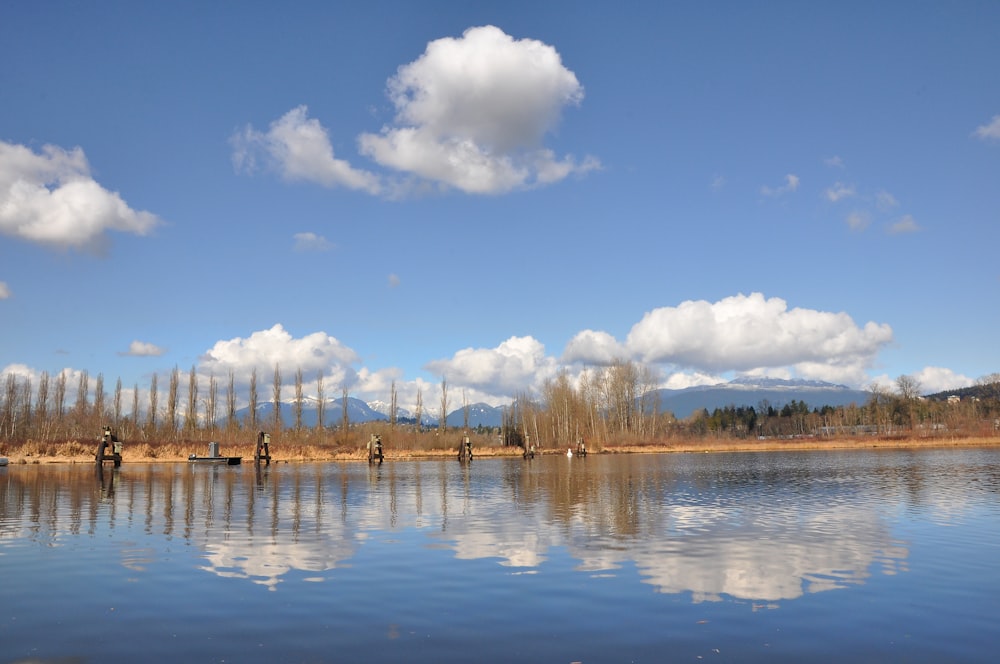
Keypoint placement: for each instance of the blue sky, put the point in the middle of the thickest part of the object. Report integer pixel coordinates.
(492, 193)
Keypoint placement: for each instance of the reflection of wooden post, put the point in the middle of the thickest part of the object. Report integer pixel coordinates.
(263, 452)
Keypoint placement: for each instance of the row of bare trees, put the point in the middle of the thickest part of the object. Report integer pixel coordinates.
(616, 404)
(619, 404)
(44, 413)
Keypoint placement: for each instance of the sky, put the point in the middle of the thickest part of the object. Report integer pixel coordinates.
(490, 194)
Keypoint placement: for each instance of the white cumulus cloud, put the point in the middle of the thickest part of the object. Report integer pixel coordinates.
(744, 333)
(143, 349)
(511, 367)
(264, 349)
(593, 347)
(299, 148)
(472, 112)
(49, 197)
(990, 130)
(939, 379)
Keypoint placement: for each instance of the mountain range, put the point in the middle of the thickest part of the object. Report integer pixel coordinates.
(775, 392)
(746, 391)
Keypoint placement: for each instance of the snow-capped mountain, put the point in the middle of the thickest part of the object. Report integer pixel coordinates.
(756, 391)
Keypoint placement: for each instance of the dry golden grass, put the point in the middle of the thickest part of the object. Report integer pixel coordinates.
(73, 451)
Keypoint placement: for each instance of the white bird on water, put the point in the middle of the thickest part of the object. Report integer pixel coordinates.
(569, 451)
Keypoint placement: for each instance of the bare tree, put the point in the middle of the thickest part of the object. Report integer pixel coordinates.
(420, 408)
(99, 410)
(231, 402)
(42, 405)
(252, 407)
(909, 391)
(24, 405)
(465, 410)
(297, 410)
(8, 414)
(908, 387)
(117, 403)
(151, 418)
(276, 400)
(80, 408)
(443, 424)
(59, 398)
(172, 396)
(191, 414)
(320, 401)
(344, 420)
(212, 405)
(135, 405)
(392, 405)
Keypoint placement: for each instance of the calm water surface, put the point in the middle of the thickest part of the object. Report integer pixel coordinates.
(859, 556)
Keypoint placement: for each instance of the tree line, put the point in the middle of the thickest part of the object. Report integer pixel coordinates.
(617, 404)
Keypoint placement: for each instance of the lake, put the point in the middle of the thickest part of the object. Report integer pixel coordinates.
(815, 556)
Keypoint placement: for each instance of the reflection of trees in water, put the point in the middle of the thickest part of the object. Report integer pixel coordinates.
(762, 527)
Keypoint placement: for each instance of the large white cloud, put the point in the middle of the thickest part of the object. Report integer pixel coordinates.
(744, 333)
(264, 349)
(472, 113)
(593, 347)
(299, 148)
(517, 364)
(49, 197)
(939, 379)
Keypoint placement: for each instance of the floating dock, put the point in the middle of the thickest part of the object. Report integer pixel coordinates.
(215, 457)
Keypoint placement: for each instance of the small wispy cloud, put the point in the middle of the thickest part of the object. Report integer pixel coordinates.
(791, 184)
(393, 280)
(4, 290)
(905, 224)
(143, 349)
(718, 182)
(834, 162)
(311, 242)
(858, 220)
(839, 191)
(989, 131)
(885, 201)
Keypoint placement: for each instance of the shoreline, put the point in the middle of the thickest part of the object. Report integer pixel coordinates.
(313, 454)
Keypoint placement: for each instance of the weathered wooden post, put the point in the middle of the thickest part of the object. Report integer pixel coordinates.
(465, 449)
(375, 449)
(109, 440)
(263, 452)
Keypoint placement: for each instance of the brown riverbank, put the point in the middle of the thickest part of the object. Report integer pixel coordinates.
(75, 452)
